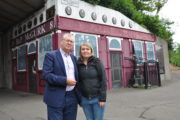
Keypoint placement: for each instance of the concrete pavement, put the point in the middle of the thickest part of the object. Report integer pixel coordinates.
(158, 103)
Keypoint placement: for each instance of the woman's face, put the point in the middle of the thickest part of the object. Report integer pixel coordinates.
(86, 52)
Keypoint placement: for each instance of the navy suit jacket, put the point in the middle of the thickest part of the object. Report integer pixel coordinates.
(54, 74)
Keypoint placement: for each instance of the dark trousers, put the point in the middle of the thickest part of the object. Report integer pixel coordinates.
(67, 112)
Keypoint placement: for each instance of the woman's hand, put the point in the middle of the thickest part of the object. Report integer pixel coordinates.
(101, 104)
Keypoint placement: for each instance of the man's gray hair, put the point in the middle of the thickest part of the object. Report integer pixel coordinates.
(66, 34)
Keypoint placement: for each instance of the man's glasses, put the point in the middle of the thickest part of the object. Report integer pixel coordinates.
(69, 41)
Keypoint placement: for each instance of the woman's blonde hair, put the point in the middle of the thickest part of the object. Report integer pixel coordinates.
(87, 45)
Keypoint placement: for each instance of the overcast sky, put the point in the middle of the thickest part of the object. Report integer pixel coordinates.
(171, 11)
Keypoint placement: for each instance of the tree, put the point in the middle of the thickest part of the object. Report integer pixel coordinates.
(175, 55)
(124, 6)
(159, 4)
(144, 5)
(149, 5)
(94, 2)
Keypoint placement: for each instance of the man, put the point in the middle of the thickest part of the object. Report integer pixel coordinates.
(60, 74)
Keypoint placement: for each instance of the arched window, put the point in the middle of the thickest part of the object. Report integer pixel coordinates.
(32, 47)
(114, 43)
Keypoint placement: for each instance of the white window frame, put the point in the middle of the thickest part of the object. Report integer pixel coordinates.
(34, 41)
(21, 70)
(40, 67)
(118, 39)
(141, 46)
(152, 50)
(74, 33)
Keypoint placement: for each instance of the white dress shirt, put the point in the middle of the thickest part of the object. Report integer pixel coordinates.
(69, 67)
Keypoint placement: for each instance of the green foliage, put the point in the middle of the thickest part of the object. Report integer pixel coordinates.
(144, 5)
(158, 26)
(149, 5)
(170, 44)
(94, 2)
(106, 3)
(125, 6)
(159, 4)
(175, 56)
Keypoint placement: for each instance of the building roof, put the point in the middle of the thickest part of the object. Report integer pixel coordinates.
(13, 11)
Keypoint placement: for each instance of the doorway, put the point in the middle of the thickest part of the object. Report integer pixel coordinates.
(116, 69)
(32, 73)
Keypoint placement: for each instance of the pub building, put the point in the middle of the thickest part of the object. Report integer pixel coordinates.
(113, 36)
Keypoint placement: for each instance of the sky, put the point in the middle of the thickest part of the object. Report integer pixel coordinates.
(171, 11)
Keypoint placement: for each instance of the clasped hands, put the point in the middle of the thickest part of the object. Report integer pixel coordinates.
(71, 82)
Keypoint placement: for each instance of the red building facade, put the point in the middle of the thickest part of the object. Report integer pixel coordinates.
(111, 34)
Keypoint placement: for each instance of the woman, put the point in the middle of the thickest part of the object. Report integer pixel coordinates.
(92, 83)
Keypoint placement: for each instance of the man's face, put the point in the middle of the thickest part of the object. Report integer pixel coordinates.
(67, 44)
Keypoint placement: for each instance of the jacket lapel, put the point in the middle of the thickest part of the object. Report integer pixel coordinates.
(60, 60)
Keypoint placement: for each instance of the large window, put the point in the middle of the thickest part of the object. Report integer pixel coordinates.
(44, 46)
(21, 58)
(138, 49)
(150, 51)
(85, 38)
(114, 43)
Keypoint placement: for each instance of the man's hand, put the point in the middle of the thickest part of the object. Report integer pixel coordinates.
(71, 82)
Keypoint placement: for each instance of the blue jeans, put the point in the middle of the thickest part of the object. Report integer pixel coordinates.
(91, 109)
